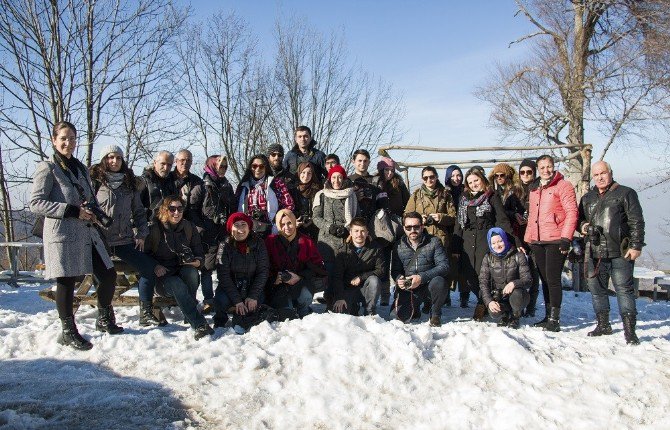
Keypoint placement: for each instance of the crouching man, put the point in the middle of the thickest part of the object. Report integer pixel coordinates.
(359, 269)
(419, 265)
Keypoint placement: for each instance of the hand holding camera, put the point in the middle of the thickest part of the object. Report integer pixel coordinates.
(338, 231)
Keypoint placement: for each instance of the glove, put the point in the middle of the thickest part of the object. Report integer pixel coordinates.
(564, 246)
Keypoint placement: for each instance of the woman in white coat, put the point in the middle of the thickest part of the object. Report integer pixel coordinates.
(72, 245)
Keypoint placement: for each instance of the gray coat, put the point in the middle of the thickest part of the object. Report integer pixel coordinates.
(125, 207)
(68, 242)
(330, 208)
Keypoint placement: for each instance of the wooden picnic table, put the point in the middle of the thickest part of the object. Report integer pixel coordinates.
(15, 275)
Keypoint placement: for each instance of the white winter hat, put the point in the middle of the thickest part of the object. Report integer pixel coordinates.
(108, 149)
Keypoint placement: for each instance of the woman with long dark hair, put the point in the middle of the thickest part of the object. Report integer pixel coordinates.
(303, 197)
(62, 192)
(552, 219)
(479, 209)
(260, 195)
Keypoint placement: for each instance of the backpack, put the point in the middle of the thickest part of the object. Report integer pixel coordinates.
(385, 226)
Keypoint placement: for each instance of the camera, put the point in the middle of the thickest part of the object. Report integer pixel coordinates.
(365, 192)
(102, 217)
(429, 221)
(186, 255)
(405, 284)
(257, 215)
(594, 232)
(305, 219)
(497, 295)
(242, 285)
(285, 276)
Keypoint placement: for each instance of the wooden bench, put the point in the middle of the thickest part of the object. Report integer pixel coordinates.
(126, 280)
(662, 282)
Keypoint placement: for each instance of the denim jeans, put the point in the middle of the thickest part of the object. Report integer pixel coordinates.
(183, 287)
(302, 302)
(207, 285)
(141, 262)
(620, 271)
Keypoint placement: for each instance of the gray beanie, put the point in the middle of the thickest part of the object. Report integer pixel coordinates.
(275, 147)
(108, 149)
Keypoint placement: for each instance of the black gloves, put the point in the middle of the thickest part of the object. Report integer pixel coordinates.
(564, 246)
(338, 231)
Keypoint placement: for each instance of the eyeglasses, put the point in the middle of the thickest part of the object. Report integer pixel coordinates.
(413, 227)
(429, 177)
(525, 172)
(258, 166)
(174, 209)
(500, 175)
(276, 154)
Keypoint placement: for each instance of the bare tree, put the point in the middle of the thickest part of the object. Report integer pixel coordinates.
(228, 96)
(588, 65)
(345, 107)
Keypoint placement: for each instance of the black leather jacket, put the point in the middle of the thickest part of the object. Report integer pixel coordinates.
(618, 214)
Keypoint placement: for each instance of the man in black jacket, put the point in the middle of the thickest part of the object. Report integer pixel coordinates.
(305, 150)
(275, 153)
(157, 183)
(189, 187)
(420, 266)
(610, 217)
(359, 268)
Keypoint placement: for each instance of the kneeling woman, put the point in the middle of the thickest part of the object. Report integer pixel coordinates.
(295, 262)
(175, 244)
(72, 245)
(504, 279)
(242, 268)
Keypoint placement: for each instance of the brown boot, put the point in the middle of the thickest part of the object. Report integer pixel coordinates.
(480, 313)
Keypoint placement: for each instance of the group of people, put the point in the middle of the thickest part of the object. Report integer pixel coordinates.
(297, 224)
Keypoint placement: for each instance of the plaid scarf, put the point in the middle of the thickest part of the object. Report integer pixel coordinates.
(480, 200)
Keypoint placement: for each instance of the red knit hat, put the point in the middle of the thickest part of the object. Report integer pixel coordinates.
(238, 216)
(337, 169)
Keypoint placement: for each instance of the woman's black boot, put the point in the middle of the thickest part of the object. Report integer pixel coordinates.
(553, 322)
(106, 321)
(71, 337)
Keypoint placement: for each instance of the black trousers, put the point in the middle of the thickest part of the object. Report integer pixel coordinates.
(105, 277)
(550, 263)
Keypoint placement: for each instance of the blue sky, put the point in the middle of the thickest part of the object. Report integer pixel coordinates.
(435, 53)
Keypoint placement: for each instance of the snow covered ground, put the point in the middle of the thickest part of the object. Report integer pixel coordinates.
(334, 371)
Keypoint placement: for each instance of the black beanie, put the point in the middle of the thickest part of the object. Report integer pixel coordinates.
(527, 162)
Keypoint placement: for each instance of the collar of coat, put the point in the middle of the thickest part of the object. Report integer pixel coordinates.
(611, 187)
(537, 183)
(425, 238)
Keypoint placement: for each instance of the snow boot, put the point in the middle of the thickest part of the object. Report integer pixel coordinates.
(629, 321)
(543, 321)
(70, 335)
(480, 312)
(203, 331)
(106, 321)
(435, 322)
(514, 321)
(147, 317)
(553, 322)
(504, 321)
(603, 326)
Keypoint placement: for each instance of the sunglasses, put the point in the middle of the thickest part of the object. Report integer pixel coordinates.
(500, 175)
(429, 177)
(525, 172)
(276, 154)
(174, 209)
(413, 227)
(258, 166)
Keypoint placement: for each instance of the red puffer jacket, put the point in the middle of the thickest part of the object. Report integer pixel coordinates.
(552, 211)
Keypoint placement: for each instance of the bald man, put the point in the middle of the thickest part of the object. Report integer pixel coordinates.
(610, 218)
(157, 183)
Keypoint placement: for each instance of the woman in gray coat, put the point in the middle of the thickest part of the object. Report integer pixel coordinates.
(72, 245)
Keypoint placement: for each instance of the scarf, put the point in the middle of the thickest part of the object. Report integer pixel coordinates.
(286, 213)
(71, 164)
(114, 179)
(480, 200)
(497, 231)
(346, 194)
(430, 193)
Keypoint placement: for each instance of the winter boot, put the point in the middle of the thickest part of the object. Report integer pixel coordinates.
(629, 321)
(71, 337)
(543, 321)
(220, 319)
(514, 321)
(553, 322)
(504, 321)
(203, 331)
(480, 312)
(603, 326)
(106, 321)
(147, 317)
(435, 321)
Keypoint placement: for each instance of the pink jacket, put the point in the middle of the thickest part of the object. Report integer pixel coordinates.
(552, 211)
